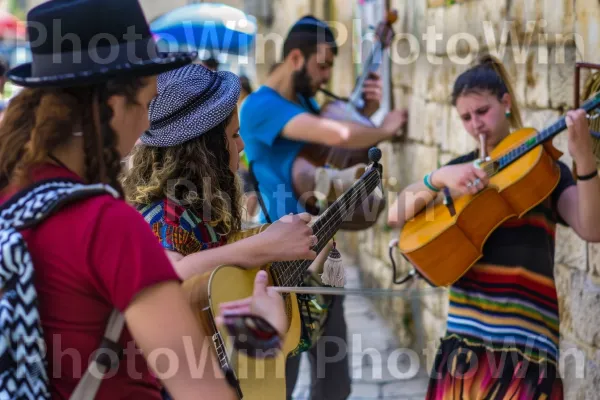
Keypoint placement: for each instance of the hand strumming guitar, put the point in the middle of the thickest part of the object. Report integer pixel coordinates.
(260, 318)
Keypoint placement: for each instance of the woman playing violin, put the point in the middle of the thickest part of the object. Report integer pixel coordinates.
(502, 337)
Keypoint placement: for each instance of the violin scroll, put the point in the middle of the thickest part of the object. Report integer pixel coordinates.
(392, 17)
(384, 30)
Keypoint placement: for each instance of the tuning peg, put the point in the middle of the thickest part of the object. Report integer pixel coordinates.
(592, 117)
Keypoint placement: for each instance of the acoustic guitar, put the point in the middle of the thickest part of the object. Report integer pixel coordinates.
(319, 155)
(445, 240)
(264, 379)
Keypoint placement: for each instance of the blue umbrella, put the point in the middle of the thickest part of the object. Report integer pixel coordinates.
(209, 26)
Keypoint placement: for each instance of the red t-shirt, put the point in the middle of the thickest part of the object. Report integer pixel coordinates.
(89, 258)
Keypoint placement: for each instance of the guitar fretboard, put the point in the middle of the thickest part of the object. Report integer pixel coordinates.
(371, 65)
(540, 138)
(289, 273)
(531, 143)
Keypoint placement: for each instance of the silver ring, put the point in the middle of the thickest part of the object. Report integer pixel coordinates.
(313, 241)
(476, 181)
(469, 184)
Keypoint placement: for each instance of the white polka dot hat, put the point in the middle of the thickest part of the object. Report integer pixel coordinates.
(191, 100)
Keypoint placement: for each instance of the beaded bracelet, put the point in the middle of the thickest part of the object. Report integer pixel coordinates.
(427, 181)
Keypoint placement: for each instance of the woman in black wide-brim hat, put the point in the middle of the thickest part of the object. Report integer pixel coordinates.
(84, 105)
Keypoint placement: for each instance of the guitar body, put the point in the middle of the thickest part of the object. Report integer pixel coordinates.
(337, 157)
(443, 247)
(264, 379)
(340, 110)
(315, 155)
(258, 379)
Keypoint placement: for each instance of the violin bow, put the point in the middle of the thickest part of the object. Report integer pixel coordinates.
(408, 293)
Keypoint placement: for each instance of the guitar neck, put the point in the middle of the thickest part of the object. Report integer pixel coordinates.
(536, 140)
(539, 138)
(371, 65)
(289, 273)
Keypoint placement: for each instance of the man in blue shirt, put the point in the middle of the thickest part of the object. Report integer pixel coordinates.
(276, 122)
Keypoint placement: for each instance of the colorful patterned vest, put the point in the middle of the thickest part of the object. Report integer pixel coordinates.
(179, 229)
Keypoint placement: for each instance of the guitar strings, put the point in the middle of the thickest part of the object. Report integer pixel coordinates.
(339, 210)
(296, 264)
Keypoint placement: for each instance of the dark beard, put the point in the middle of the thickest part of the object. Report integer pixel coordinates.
(301, 82)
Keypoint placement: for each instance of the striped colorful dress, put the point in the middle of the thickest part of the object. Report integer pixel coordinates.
(179, 229)
(502, 337)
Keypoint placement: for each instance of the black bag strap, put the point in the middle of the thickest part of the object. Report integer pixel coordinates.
(254, 183)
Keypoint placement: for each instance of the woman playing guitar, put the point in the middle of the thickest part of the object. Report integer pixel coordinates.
(502, 336)
(182, 178)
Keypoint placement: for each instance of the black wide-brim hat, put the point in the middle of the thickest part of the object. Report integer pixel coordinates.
(77, 42)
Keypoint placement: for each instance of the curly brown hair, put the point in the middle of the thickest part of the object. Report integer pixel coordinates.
(195, 174)
(37, 120)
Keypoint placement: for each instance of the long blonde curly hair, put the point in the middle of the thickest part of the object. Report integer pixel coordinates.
(194, 174)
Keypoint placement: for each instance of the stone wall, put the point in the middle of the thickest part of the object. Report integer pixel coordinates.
(551, 35)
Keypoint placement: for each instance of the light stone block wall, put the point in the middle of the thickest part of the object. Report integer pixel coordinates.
(552, 35)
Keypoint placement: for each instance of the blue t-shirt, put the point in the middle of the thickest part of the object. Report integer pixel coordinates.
(263, 115)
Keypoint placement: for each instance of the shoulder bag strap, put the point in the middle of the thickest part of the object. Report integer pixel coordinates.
(107, 357)
(29, 208)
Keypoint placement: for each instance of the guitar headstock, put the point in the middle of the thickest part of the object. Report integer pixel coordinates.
(385, 33)
(374, 158)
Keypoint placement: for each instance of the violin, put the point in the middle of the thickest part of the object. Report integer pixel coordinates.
(444, 241)
(348, 109)
(315, 155)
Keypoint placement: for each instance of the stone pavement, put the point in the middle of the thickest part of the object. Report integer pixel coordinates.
(380, 369)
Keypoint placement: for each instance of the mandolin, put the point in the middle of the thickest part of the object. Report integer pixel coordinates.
(444, 241)
(264, 379)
